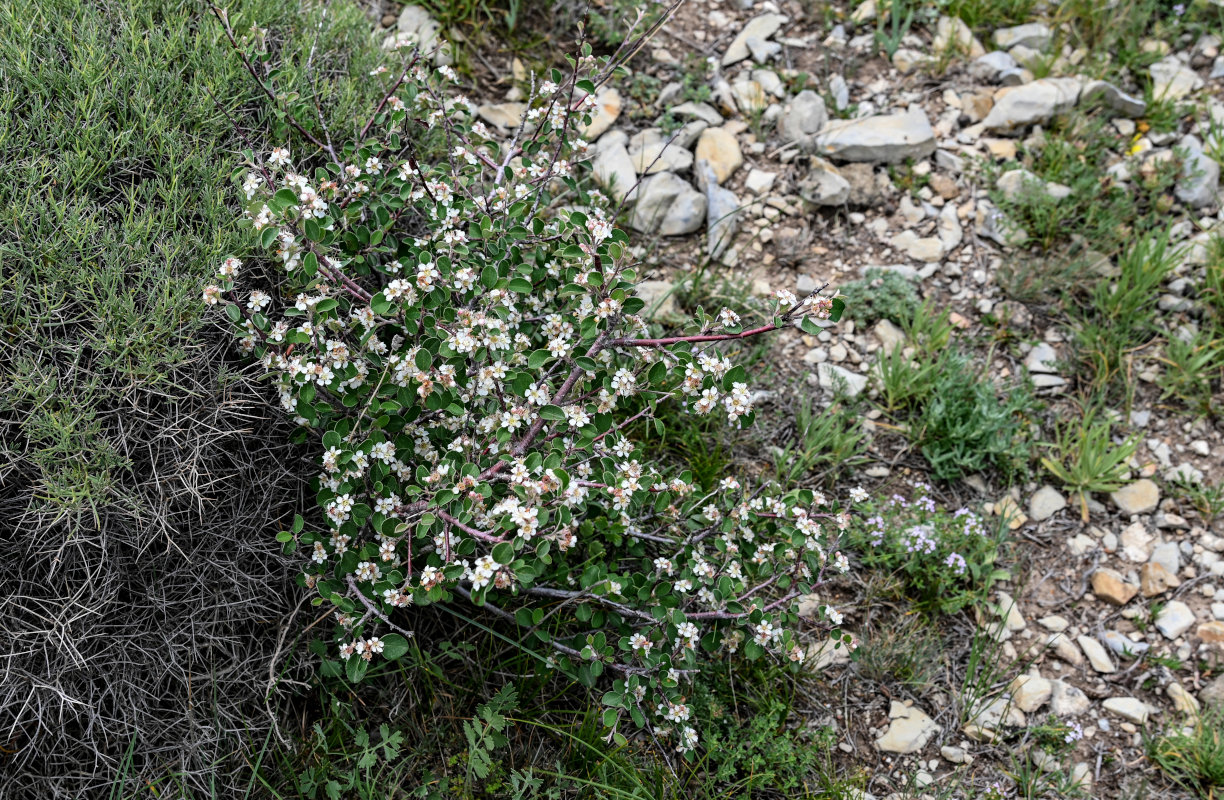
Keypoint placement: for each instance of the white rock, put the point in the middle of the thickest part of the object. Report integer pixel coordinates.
(889, 138)
(608, 104)
(759, 181)
(668, 205)
(1128, 708)
(824, 185)
(1174, 619)
(1042, 358)
(835, 378)
(1097, 655)
(802, 119)
(1031, 692)
(1032, 103)
(506, 116)
(908, 732)
(613, 168)
(1171, 80)
(1034, 34)
(990, 66)
(1067, 700)
(1045, 503)
(1140, 497)
(927, 248)
(762, 27)
(722, 216)
(1199, 184)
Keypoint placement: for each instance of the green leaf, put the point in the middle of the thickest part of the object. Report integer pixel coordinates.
(267, 237)
(538, 358)
(355, 668)
(234, 313)
(552, 413)
(520, 286)
(503, 553)
(326, 304)
(394, 646)
(839, 307)
(380, 303)
(286, 197)
(488, 276)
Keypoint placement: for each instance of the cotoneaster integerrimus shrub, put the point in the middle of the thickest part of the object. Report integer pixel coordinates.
(459, 338)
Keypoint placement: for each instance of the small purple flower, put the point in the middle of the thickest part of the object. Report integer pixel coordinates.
(1179, 9)
(957, 562)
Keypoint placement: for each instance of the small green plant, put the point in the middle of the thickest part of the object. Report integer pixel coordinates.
(486, 732)
(881, 294)
(903, 653)
(1193, 760)
(893, 22)
(828, 440)
(1206, 498)
(1193, 371)
(1085, 457)
(945, 560)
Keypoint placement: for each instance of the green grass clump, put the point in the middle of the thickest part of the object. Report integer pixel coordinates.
(1194, 760)
(1085, 457)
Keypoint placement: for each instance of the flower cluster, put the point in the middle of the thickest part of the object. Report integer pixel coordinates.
(463, 339)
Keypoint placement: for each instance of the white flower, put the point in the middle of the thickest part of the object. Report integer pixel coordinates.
(279, 157)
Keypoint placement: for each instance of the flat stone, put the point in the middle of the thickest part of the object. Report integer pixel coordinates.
(1155, 580)
(1098, 658)
(1031, 692)
(660, 299)
(668, 205)
(750, 97)
(1167, 555)
(613, 168)
(719, 148)
(949, 229)
(1017, 184)
(824, 185)
(920, 248)
(722, 215)
(834, 378)
(889, 335)
(907, 60)
(652, 152)
(1109, 585)
(1033, 34)
(762, 27)
(759, 181)
(828, 653)
(953, 35)
(1042, 358)
(886, 138)
(1199, 183)
(608, 104)
(1174, 619)
(506, 116)
(802, 119)
(1212, 695)
(1031, 104)
(701, 111)
(1140, 497)
(1045, 503)
(1114, 99)
(1123, 646)
(1065, 649)
(1009, 509)
(1171, 80)
(955, 755)
(990, 66)
(908, 732)
(1183, 701)
(1009, 611)
(1211, 632)
(1055, 623)
(1136, 543)
(1128, 708)
(1067, 700)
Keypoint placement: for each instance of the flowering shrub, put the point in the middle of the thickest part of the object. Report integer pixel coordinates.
(459, 338)
(947, 559)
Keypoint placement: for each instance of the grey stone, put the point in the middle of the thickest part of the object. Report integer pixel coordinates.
(990, 66)
(1199, 184)
(660, 298)
(840, 92)
(1171, 80)
(909, 730)
(613, 168)
(1033, 34)
(1128, 708)
(1140, 497)
(722, 216)
(1167, 555)
(702, 111)
(1123, 646)
(1097, 656)
(824, 185)
(887, 138)
(1031, 104)
(802, 119)
(652, 152)
(668, 205)
(1174, 619)
(1042, 358)
(1045, 503)
(1067, 700)
(1114, 98)
(1212, 695)
(839, 379)
(761, 28)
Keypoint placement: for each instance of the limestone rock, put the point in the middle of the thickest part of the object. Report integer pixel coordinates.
(1140, 497)
(952, 34)
(835, 378)
(762, 27)
(1171, 80)
(1174, 619)
(1034, 34)
(505, 116)
(991, 65)
(607, 110)
(668, 205)
(1155, 580)
(925, 248)
(1031, 692)
(1098, 658)
(613, 168)
(652, 152)
(908, 732)
(1211, 632)
(885, 138)
(1122, 646)
(1109, 585)
(1183, 701)
(1032, 103)
(1067, 700)
(1114, 99)
(824, 185)
(719, 148)
(1045, 503)
(1199, 184)
(802, 119)
(1212, 695)
(759, 182)
(660, 299)
(1128, 708)
(722, 215)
